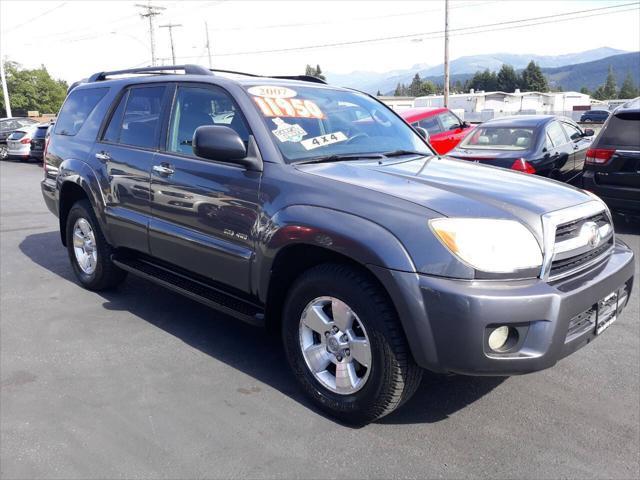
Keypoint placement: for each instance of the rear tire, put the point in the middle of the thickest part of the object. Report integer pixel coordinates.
(334, 291)
(89, 252)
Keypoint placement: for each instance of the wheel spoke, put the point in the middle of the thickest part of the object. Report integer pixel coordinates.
(316, 319)
(317, 357)
(84, 227)
(78, 239)
(342, 315)
(360, 351)
(346, 378)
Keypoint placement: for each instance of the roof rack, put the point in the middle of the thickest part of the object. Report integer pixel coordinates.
(303, 78)
(188, 70)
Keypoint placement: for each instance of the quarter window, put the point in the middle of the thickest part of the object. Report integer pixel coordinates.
(77, 108)
(573, 132)
(197, 106)
(556, 133)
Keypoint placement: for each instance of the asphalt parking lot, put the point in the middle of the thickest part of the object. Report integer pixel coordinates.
(143, 383)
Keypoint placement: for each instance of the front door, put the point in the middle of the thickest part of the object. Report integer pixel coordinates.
(580, 146)
(203, 212)
(561, 152)
(127, 148)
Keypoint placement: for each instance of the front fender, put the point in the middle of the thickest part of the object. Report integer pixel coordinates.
(355, 237)
(80, 173)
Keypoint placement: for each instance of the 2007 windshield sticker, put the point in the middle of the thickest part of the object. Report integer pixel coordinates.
(286, 132)
(288, 107)
(272, 91)
(323, 140)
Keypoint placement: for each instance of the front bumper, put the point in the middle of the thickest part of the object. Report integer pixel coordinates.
(447, 321)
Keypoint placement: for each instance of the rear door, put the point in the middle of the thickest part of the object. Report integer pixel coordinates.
(580, 145)
(561, 152)
(127, 147)
(203, 212)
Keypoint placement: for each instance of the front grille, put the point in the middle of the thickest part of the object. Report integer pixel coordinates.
(571, 229)
(579, 238)
(559, 267)
(581, 323)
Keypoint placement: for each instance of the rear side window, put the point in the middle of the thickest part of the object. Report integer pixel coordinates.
(556, 133)
(622, 132)
(136, 119)
(77, 108)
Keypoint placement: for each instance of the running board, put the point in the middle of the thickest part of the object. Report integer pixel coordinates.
(192, 288)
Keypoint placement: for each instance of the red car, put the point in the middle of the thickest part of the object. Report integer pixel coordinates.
(445, 129)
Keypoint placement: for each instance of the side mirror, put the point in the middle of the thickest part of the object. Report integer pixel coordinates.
(588, 132)
(465, 124)
(422, 132)
(223, 144)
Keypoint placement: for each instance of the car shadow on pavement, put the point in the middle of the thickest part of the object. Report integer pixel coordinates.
(245, 347)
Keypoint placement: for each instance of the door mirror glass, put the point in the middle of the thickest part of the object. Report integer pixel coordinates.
(220, 143)
(422, 132)
(588, 132)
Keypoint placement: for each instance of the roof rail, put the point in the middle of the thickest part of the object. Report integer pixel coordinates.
(304, 78)
(188, 70)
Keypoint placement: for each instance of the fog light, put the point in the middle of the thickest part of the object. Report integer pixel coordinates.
(498, 338)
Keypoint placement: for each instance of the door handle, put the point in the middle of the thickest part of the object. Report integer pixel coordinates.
(163, 170)
(104, 156)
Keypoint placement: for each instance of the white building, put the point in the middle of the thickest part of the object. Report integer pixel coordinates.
(481, 106)
(398, 103)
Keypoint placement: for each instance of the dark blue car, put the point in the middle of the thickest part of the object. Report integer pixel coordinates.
(597, 116)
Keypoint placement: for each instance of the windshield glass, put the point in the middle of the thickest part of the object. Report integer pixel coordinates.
(499, 138)
(312, 122)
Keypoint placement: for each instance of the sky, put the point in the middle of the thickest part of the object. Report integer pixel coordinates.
(74, 38)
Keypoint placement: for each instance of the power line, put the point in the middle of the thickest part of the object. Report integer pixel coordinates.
(440, 32)
(36, 17)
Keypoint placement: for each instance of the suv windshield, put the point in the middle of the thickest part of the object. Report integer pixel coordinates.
(499, 138)
(313, 122)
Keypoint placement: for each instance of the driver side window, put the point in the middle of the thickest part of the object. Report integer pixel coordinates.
(448, 121)
(197, 106)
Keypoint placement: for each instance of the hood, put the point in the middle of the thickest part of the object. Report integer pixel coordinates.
(457, 188)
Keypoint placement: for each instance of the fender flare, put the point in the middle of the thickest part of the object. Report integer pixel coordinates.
(80, 173)
(360, 239)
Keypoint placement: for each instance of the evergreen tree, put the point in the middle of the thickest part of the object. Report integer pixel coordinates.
(319, 73)
(533, 79)
(610, 89)
(398, 91)
(379, 94)
(628, 89)
(415, 88)
(314, 72)
(507, 79)
(599, 94)
(584, 90)
(457, 87)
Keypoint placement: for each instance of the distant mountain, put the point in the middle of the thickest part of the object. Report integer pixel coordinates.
(463, 67)
(593, 74)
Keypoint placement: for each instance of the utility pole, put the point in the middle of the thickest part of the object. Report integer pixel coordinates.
(5, 91)
(150, 11)
(446, 53)
(206, 28)
(171, 26)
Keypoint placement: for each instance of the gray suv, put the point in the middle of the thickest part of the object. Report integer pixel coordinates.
(318, 212)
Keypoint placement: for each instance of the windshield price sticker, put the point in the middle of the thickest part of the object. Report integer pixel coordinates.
(288, 107)
(272, 91)
(286, 132)
(323, 140)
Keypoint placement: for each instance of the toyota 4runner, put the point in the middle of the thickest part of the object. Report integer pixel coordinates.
(318, 211)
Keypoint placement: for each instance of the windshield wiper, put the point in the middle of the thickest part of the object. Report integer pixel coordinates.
(340, 158)
(399, 153)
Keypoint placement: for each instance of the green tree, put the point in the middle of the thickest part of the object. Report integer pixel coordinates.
(599, 94)
(610, 88)
(628, 89)
(415, 87)
(33, 90)
(487, 81)
(585, 90)
(533, 80)
(314, 72)
(507, 79)
(379, 94)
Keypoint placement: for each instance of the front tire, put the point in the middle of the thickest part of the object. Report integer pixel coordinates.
(345, 345)
(88, 250)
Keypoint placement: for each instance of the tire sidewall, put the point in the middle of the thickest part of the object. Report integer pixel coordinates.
(344, 406)
(80, 210)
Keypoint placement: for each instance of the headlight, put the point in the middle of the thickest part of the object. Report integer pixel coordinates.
(488, 245)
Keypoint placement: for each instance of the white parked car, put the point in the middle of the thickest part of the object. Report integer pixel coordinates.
(19, 143)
